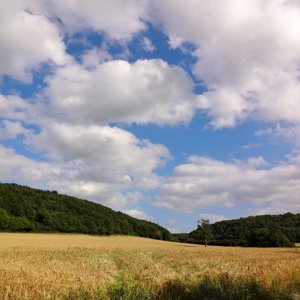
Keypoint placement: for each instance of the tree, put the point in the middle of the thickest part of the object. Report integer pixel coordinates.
(26, 209)
(4, 219)
(265, 237)
(204, 232)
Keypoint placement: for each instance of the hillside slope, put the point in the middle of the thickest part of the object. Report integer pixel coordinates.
(263, 231)
(27, 209)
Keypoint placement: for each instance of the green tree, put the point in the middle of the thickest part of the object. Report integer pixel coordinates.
(26, 209)
(4, 219)
(19, 224)
(265, 237)
(204, 232)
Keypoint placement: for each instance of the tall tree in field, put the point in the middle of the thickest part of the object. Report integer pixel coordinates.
(204, 232)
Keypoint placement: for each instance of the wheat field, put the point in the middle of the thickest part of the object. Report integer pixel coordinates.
(61, 266)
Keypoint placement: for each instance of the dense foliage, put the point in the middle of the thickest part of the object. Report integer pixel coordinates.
(204, 232)
(26, 209)
(262, 231)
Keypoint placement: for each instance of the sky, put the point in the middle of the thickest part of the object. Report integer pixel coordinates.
(169, 110)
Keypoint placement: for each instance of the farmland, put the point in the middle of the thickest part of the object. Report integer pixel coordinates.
(58, 266)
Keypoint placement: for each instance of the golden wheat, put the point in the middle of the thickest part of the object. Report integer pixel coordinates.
(51, 266)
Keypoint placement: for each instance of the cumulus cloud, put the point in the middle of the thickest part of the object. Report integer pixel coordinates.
(84, 156)
(110, 149)
(248, 52)
(94, 57)
(32, 32)
(248, 55)
(205, 182)
(288, 132)
(14, 108)
(147, 91)
(147, 45)
(248, 59)
(138, 213)
(114, 18)
(27, 40)
(11, 130)
(56, 176)
(106, 164)
(18, 168)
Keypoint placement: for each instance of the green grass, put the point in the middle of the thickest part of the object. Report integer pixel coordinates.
(297, 244)
(221, 287)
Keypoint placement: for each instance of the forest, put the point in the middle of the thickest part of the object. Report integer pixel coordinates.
(24, 209)
(254, 231)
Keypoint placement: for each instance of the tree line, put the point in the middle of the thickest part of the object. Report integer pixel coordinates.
(24, 209)
(254, 231)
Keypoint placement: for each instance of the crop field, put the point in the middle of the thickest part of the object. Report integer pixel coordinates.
(58, 266)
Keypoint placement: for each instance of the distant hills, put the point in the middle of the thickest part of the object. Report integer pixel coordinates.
(24, 209)
(256, 231)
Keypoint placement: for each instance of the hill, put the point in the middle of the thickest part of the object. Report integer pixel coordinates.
(24, 209)
(262, 231)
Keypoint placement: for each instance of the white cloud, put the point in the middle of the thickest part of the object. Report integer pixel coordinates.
(109, 149)
(101, 163)
(147, 45)
(147, 91)
(27, 40)
(14, 108)
(249, 147)
(11, 130)
(30, 33)
(255, 162)
(287, 132)
(248, 55)
(213, 218)
(117, 19)
(138, 213)
(19, 168)
(94, 57)
(205, 182)
(98, 162)
(104, 164)
(248, 50)
(56, 176)
(248, 58)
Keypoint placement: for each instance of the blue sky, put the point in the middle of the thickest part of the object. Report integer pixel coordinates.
(165, 110)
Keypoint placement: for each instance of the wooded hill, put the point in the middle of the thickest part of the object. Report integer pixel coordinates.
(26, 209)
(261, 231)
